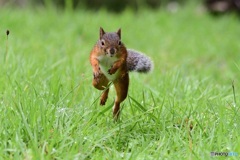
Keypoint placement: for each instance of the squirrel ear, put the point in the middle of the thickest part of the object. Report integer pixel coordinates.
(119, 33)
(102, 32)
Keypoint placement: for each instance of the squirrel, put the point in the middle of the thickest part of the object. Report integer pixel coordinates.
(111, 61)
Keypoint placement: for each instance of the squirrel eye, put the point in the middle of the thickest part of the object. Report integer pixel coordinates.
(119, 42)
(102, 43)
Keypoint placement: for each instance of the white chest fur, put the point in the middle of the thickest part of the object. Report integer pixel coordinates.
(105, 63)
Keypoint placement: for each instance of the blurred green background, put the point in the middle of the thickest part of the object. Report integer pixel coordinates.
(120, 5)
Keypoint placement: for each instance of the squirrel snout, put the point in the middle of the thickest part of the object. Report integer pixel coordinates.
(112, 50)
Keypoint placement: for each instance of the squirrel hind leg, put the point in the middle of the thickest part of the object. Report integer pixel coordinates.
(100, 82)
(104, 97)
(121, 86)
(116, 111)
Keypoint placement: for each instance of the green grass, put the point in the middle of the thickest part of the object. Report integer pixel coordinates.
(184, 109)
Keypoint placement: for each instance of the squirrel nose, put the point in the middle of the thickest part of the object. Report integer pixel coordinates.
(112, 51)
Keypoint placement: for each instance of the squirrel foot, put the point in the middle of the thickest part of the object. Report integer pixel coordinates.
(104, 97)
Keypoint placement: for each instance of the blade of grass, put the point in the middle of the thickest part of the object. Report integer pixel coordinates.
(141, 108)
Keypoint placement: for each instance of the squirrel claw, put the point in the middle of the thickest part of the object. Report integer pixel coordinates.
(109, 72)
(102, 102)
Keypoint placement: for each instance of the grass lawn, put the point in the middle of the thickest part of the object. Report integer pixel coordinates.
(185, 109)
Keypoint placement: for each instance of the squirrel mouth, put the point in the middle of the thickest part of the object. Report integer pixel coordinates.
(109, 54)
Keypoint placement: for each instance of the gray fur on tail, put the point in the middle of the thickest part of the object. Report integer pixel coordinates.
(138, 62)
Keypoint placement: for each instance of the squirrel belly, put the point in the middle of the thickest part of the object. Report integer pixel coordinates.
(105, 63)
(137, 61)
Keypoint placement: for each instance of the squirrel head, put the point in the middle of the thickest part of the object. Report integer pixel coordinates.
(110, 42)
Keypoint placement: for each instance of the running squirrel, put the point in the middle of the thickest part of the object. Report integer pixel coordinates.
(111, 62)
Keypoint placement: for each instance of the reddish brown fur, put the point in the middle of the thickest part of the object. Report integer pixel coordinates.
(101, 82)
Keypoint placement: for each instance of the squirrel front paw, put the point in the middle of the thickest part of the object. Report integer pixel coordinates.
(111, 71)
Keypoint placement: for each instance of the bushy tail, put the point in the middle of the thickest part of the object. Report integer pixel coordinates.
(138, 62)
